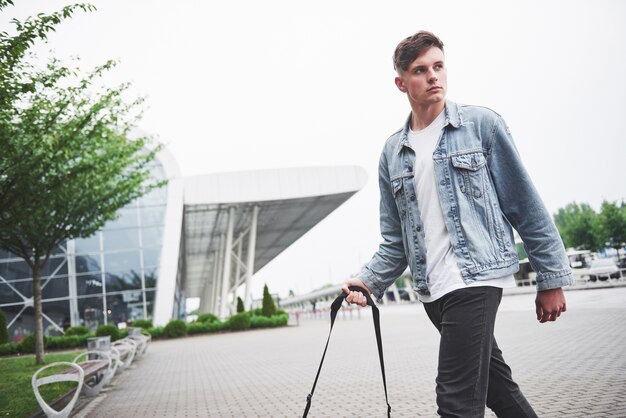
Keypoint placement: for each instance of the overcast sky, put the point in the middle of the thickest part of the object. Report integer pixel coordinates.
(246, 84)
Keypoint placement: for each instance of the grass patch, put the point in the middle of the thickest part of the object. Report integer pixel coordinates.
(16, 393)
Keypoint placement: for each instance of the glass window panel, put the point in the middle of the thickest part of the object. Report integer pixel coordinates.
(153, 216)
(125, 261)
(151, 257)
(15, 270)
(8, 295)
(116, 282)
(59, 313)
(91, 312)
(127, 218)
(150, 277)
(121, 239)
(24, 323)
(124, 307)
(88, 245)
(89, 284)
(155, 197)
(52, 265)
(54, 288)
(5, 254)
(150, 295)
(23, 287)
(87, 264)
(152, 237)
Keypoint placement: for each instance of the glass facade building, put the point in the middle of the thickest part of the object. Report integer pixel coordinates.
(110, 277)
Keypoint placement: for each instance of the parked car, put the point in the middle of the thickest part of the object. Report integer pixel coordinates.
(603, 268)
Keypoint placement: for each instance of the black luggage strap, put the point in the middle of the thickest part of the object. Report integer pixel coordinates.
(334, 308)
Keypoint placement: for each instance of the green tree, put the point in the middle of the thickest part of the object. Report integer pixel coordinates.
(67, 164)
(4, 333)
(611, 227)
(577, 224)
(268, 307)
(240, 307)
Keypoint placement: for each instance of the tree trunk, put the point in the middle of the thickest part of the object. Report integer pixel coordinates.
(39, 349)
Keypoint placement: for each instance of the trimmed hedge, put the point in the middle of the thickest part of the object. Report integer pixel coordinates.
(108, 329)
(239, 322)
(77, 330)
(27, 344)
(142, 323)
(207, 317)
(156, 332)
(8, 349)
(175, 328)
(271, 322)
(71, 341)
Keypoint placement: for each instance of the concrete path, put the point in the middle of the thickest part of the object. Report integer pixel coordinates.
(575, 367)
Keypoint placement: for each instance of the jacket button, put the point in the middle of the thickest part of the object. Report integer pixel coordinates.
(412, 197)
(418, 228)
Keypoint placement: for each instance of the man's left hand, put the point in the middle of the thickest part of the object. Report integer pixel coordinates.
(550, 304)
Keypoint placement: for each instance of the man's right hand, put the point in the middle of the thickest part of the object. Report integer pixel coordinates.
(355, 297)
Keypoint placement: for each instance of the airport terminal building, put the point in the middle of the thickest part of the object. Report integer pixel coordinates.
(197, 237)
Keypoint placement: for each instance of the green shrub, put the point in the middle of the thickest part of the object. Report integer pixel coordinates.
(4, 332)
(27, 344)
(240, 307)
(239, 322)
(217, 326)
(256, 311)
(8, 349)
(175, 328)
(69, 341)
(197, 328)
(265, 322)
(207, 317)
(142, 323)
(268, 307)
(260, 322)
(77, 330)
(108, 329)
(156, 332)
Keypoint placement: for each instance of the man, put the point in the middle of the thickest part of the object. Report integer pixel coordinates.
(452, 187)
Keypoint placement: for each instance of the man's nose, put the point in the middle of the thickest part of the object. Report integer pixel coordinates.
(432, 75)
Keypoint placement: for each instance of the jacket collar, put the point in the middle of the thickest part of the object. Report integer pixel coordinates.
(454, 117)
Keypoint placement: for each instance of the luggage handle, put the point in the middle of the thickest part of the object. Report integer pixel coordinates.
(334, 308)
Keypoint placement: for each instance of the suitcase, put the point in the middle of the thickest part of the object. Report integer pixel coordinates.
(334, 308)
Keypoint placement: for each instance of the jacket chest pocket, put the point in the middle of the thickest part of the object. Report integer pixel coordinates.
(470, 170)
(398, 190)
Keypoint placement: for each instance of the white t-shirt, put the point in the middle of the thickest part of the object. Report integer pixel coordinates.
(442, 270)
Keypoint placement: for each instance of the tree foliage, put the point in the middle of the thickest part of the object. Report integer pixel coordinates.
(268, 307)
(67, 164)
(576, 223)
(611, 229)
(240, 307)
(4, 333)
(581, 227)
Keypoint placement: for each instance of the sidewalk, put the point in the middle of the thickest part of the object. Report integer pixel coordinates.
(575, 367)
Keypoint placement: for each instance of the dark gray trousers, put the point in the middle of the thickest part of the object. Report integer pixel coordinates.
(472, 372)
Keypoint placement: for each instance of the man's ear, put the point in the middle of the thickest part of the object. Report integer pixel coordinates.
(400, 84)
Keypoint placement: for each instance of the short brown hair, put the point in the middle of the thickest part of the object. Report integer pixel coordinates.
(411, 48)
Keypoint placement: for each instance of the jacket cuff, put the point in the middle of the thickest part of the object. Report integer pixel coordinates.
(553, 280)
(373, 284)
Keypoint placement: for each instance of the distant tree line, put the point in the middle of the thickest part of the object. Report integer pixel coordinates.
(583, 228)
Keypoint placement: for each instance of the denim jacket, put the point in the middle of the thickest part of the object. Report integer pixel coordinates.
(484, 192)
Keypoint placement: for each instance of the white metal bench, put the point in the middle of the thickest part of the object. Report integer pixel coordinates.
(99, 368)
(71, 373)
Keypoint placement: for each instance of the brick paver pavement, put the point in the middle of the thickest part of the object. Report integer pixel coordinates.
(575, 367)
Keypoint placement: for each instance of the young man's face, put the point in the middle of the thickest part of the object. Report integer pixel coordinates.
(425, 81)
